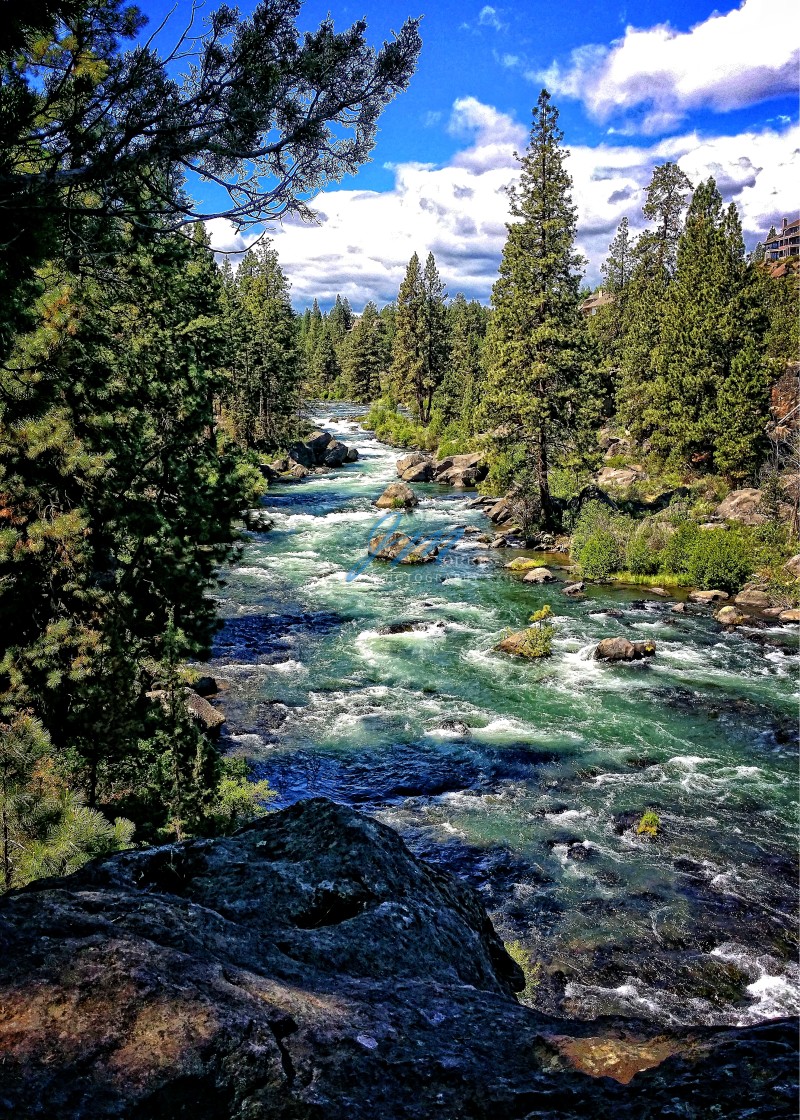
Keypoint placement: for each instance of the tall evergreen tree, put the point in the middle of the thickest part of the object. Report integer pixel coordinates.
(654, 263)
(266, 367)
(536, 388)
(419, 350)
(459, 391)
(408, 358)
(709, 402)
(367, 357)
(325, 367)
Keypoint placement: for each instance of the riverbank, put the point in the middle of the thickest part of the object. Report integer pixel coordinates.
(528, 779)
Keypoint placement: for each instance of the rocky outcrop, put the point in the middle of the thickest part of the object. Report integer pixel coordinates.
(461, 470)
(745, 506)
(335, 453)
(416, 467)
(619, 478)
(752, 597)
(198, 707)
(620, 649)
(402, 549)
(311, 968)
(397, 496)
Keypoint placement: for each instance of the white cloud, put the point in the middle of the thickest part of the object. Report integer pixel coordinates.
(365, 238)
(490, 17)
(657, 75)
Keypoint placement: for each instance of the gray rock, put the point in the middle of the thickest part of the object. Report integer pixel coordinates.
(574, 588)
(730, 616)
(792, 566)
(299, 471)
(418, 472)
(318, 443)
(752, 597)
(335, 453)
(405, 550)
(300, 453)
(352, 455)
(619, 477)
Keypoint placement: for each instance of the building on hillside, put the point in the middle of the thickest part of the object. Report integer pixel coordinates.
(783, 243)
(595, 301)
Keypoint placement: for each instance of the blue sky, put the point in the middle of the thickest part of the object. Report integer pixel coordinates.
(715, 89)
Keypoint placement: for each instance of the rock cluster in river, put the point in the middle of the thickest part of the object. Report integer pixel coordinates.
(311, 968)
(620, 649)
(317, 453)
(454, 470)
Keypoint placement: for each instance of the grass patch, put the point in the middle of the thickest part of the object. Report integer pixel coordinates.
(663, 579)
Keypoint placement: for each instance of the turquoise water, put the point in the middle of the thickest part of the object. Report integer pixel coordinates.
(526, 778)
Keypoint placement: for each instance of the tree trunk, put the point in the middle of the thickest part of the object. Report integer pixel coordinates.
(541, 475)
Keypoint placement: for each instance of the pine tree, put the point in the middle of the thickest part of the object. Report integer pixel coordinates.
(266, 368)
(408, 357)
(459, 391)
(367, 357)
(536, 389)
(419, 349)
(654, 259)
(709, 403)
(325, 367)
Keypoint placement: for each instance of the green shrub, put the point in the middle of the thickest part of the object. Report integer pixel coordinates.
(601, 555)
(678, 550)
(720, 558)
(397, 429)
(649, 825)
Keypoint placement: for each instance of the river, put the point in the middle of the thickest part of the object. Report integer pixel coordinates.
(526, 777)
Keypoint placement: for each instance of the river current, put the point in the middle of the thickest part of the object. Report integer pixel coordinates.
(527, 778)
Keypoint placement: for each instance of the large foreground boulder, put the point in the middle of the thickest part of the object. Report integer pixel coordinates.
(311, 968)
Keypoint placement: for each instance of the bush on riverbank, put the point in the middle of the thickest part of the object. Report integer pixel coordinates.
(671, 548)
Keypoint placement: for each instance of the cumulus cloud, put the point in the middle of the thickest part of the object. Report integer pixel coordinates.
(653, 77)
(459, 210)
(490, 17)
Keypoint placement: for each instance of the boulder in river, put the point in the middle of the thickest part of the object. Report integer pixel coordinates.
(397, 496)
(792, 615)
(335, 453)
(318, 443)
(257, 520)
(311, 967)
(539, 575)
(731, 616)
(301, 453)
(403, 549)
(415, 467)
(352, 455)
(713, 596)
(620, 649)
(574, 588)
(409, 626)
(299, 471)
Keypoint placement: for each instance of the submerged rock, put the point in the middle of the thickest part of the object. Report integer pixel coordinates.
(397, 496)
(620, 649)
(311, 968)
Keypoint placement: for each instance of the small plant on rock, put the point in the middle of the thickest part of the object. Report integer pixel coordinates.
(649, 825)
